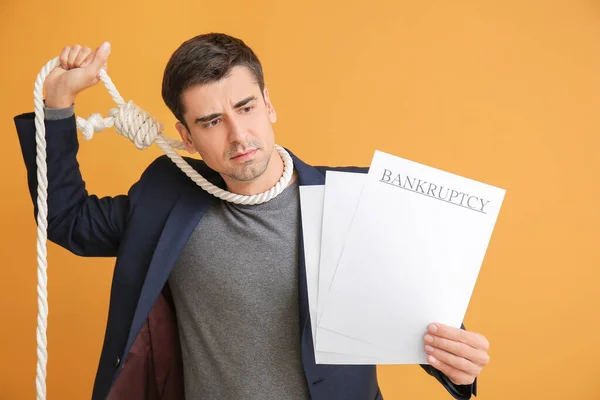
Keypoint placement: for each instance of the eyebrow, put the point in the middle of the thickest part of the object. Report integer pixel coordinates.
(239, 104)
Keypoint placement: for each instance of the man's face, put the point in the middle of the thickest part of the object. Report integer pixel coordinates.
(230, 125)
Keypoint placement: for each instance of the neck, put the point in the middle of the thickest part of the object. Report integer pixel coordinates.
(266, 181)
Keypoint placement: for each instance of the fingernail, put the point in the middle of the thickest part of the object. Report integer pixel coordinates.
(428, 349)
(105, 46)
(428, 338)
(432, 359)
(433, 328)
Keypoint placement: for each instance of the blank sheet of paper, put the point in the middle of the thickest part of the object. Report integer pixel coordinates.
(338, 349)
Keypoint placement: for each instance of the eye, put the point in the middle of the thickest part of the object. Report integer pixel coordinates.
(212, 123)
(247, 109)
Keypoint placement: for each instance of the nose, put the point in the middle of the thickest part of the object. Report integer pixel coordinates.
(237, 131)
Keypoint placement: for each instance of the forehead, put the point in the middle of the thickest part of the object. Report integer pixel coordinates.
(213, 97)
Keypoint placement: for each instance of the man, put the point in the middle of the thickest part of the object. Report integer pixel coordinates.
(209, 298)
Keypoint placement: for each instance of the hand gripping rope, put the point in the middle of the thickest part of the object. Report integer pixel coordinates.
(132, 122)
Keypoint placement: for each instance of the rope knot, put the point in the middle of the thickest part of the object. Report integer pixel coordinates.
(136, 124)
(129, 120)
(95, 123)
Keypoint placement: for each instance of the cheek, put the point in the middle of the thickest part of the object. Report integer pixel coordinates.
(213, 153)
(208, 147)
(262, 127)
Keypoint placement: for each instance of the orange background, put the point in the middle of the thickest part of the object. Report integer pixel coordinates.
(506, 92)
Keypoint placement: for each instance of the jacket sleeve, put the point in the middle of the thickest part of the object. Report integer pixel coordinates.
(459, 392)
(82, 223)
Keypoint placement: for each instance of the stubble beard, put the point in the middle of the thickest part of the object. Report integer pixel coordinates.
(251, 169)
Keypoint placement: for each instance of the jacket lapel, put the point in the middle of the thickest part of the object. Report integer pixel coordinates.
(181, 222)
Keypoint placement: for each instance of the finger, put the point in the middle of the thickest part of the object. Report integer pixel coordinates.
(88, 59)
(459, 349)
(82, 56)
(100, 58)
(461, 364)
(472, 339)
(456, 376)
(72, 55)
(64, 57)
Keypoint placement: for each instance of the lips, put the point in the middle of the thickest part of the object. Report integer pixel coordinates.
(243, 156)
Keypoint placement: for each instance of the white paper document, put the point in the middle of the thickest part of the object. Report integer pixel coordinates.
(342, 350)
(410, 255)
(342, 192)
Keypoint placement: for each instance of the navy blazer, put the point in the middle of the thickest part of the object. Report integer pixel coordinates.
(146, 230)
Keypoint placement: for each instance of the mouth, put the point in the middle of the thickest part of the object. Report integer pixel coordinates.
(244, 156)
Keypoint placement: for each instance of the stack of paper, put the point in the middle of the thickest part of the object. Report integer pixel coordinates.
(389, 252)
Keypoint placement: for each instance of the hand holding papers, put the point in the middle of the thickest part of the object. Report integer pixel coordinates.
(399, 248)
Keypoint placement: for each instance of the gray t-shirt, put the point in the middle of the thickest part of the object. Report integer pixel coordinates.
(235, 289)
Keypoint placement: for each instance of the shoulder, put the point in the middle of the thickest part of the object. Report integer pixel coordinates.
(163, 165)
(322, 169)
(360, 170)
(165, 171)
(162, 181)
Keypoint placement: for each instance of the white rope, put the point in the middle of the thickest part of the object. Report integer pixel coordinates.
(132, 122)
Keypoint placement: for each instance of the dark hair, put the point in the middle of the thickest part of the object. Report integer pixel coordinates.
(205, 59)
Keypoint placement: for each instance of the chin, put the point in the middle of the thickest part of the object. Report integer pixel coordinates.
(251, 171)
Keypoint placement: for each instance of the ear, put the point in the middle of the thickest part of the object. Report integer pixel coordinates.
(186, 138)
(270, 108)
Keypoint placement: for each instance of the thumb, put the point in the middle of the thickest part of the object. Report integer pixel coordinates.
(100, 58)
